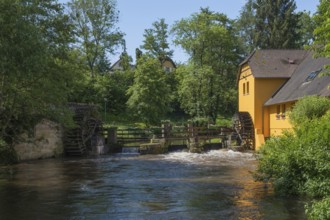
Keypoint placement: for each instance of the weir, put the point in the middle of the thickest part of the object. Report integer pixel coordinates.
(167, 138)
(130, 150)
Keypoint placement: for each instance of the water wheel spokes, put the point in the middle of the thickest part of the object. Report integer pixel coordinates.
(244, 128)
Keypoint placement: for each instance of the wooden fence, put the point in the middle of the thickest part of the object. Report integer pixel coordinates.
(175, 134)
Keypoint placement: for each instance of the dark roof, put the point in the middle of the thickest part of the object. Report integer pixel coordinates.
(274, 63)
(117, 66)
(302, 82)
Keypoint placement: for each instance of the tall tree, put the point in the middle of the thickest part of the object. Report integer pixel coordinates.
(155, 40)
(306, 28)
(246, 24)
(276, 24)
(34, 42)
(210, 40)
(96, 33)
(149, 95)
(322, 32)
(197, 94)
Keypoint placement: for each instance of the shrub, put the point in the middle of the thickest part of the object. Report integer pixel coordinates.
(297, 163)
(7, 154)
(319, 210)
(309, 108)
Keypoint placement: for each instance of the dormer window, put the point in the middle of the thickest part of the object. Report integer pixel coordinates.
(312, 76)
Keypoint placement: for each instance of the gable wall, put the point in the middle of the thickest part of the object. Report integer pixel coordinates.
(246, 101)
(253, 100)
(168, 64)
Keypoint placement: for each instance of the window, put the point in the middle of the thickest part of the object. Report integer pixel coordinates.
(247, 88)
(283, 111)
(243, 88)
(312, 75)
(168, 69)
(278, 112)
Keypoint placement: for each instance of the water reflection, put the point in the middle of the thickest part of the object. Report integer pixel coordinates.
(215, 185)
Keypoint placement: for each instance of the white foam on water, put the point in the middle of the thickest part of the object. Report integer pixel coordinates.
(214, 157)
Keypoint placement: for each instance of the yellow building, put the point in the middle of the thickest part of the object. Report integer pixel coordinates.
(269, 83)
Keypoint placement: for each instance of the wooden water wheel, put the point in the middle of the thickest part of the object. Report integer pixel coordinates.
(243, 126)
(77, 140)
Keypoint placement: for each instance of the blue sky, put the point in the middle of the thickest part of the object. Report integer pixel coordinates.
(137, 15)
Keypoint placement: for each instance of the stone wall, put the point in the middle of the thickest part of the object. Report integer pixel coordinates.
(46, 142)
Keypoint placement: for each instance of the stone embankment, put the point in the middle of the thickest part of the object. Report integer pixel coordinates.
(44, 142)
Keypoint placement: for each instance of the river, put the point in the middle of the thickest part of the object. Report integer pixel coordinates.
(180, 185)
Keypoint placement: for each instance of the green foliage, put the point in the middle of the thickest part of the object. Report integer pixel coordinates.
(7, 154)
(319, 210)
(200, 92)
(224, 121)
(246, 26)
(297, 163)
(107, 91)
(309, 108)
(199, 121)
(214, 48)
(276, 24)
(197, 96)
(34, 73)
(306, 27)
(149, 96)
(321, 44)
(96, 35)
(155, 41)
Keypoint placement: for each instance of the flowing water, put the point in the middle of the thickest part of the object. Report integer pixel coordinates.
(214, 185)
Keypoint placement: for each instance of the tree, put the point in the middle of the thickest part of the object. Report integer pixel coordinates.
(118, 84)
(246, 24)
(34, 72)
(96, 34)
(306, 28)
(149, 95)
(210, 40)
(197, 92)
(276, 24)
(155, 41)
(322, 31)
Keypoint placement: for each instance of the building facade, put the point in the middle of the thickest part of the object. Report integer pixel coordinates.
(271, 81)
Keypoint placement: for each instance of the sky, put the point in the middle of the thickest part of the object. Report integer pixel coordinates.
(137, 15)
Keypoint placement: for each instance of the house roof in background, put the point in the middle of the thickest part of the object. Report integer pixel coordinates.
(275, 63)
(171, 61)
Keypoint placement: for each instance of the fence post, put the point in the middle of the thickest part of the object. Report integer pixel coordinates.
(193, 143)
(190, 130)
(166, 130)
(112, 135)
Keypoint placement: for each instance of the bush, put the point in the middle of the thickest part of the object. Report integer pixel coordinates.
(297, 163)
(319, 210)
(309, 108)
(7, 154)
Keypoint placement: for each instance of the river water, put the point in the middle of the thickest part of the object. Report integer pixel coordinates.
(181, 185)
